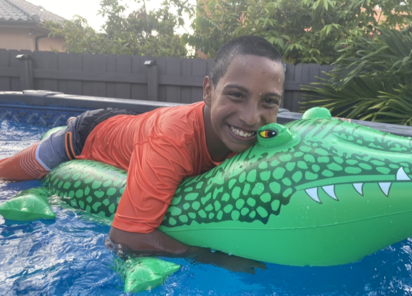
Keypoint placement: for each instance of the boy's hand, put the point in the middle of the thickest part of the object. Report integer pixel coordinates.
(343, 119)
(157, 243)
(220, 259)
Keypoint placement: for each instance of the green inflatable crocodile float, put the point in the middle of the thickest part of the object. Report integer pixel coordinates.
(317, 191)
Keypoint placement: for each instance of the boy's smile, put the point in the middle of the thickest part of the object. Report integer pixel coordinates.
(246, 97)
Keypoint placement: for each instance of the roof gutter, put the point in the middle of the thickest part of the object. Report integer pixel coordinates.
(36, 41)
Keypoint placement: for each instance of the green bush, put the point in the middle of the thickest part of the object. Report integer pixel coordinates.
(305, 31)
(372, 80)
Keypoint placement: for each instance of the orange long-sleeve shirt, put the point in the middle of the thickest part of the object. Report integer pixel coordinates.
(159, 149)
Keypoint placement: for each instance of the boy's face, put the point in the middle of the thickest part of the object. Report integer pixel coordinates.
(247, 97)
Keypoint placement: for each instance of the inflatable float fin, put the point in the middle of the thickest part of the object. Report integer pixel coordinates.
(144, 273)
(317, 112)
(28, 205)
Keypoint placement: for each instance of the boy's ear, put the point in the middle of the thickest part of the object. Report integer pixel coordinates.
(207, 90)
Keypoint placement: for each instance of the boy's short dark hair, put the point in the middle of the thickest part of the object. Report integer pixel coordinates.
(245, 45)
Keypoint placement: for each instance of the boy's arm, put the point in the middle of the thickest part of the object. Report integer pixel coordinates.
(156, 168)
(156, 243)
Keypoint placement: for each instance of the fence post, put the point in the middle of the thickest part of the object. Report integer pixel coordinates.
(26, 71)
(282, 103)
(152, 80)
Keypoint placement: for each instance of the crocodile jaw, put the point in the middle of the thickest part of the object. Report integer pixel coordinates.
(385, 187)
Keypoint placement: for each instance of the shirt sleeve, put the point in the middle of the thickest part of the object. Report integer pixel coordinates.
(155, 171)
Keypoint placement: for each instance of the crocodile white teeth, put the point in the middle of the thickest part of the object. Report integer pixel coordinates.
(330, 190)
(385, 187)
(313, 193)
(358, 187)
(401, 175)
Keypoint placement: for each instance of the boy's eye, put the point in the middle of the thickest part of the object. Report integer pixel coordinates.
(235, 94)
(268, 134)
(271, 102)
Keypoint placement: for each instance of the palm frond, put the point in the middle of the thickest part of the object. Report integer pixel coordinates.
(372, 80)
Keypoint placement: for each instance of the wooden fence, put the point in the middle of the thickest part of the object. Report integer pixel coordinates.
(166, 79)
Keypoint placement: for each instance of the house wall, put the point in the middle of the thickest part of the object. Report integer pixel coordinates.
(24, 39)
(51, 44)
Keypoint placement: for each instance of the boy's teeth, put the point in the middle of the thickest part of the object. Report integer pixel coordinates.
(242, 133)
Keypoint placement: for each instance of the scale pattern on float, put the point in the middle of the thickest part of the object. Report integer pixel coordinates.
(91, 186)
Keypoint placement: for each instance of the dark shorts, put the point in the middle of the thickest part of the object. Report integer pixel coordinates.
(67, 144)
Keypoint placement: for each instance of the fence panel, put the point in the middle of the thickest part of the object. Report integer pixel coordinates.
(37, 64)
(174, 79)
(5, 84)
(199, 71)
(173, 69)
(49, 62)
(162, 68)
(63, 65)
(139, 90)
(87, 86)
(14, 63)
(75, 63)
(99, 66)
(310, 73)
(123, 65)
(186, 92)
(111, 68)
(299, 68)
(288, 93)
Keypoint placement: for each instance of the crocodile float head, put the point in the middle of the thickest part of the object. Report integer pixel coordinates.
(318, 191)
(312, 155)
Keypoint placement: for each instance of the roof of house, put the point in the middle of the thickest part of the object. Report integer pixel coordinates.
(23, 11)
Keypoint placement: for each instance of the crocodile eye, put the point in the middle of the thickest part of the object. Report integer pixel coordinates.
(275, 135)
(268, 134)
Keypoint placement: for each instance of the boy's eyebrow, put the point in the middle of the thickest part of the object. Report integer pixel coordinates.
(241, 88)
(246, 91)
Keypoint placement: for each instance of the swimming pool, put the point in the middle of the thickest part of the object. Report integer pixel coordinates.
(67, 256)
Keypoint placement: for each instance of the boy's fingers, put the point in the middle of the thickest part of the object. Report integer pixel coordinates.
(252, 269)
(260, 265)
(343, 119)
(248, 265)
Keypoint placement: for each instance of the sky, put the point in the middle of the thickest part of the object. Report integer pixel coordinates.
(88, 9)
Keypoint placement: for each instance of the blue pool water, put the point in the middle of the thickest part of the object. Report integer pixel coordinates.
(67, 256)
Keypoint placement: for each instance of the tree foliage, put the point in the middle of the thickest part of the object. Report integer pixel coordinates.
(139, 32)
(305, 31)
(81, 38)
(372, 80)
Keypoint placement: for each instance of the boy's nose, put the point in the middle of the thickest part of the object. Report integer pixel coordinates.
(250, 115)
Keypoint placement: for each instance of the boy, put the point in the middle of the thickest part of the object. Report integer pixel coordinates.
(162, 147)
